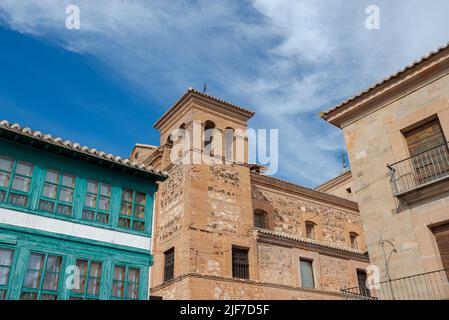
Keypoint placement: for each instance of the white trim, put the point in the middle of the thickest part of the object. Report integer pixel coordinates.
(32, 221)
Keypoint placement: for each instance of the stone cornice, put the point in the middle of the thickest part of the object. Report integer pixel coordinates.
(291, 241)
(419, 73)
(303, 191)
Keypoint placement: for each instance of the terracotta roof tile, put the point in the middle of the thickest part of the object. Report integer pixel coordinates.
(413, 65)
(77, 147)
(192, 91)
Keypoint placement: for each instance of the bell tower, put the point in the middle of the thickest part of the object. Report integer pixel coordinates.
(204, 209)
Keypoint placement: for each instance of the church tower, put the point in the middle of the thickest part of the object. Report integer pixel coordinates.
(203, 210)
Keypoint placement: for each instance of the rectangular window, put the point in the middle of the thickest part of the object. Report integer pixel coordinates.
(42, 277)
(89, 280)
(132, 212)
(15, 181)
(310, 230)
(306, 267)
(169, 264)
(125, 284)
(259, 219)
(425, 137)
(240, 264)
(97, 203)
(429, 151)
(6, 261)
(361, 279)
(58, 193)
(354, 240)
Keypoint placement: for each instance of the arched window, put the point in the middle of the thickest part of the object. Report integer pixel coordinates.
(229, 144)
(260, 219)
(310, 229)
(181, 136)
(354, 238)
(169, 142)
(209, 127)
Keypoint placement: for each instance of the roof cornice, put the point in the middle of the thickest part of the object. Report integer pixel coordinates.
(385, 91)
(344, 177)
(288, 240)
(46, 140)
(192, 93)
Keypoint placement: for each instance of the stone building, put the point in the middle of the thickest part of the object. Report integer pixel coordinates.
(68, 213)
(340, 186)
(227, 231)
(396, 136)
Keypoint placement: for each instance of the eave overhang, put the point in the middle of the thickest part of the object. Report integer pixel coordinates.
(65, 148)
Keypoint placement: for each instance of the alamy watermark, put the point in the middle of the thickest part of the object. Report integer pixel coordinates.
(72, 22)
(208, 145)
(372, 22)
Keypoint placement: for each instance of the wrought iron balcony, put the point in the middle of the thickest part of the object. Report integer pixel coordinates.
(420, 170)
(425, 286)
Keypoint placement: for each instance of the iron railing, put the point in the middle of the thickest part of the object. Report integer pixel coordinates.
(426, 286)
(240, 270)
(420, 170)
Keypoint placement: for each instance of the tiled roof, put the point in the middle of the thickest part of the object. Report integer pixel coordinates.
(346, 173)
(15, 127)
(411, 66)
(325, 244)
(308, 191)
(192, 91)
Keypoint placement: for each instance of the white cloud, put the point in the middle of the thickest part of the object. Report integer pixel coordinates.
(286, 59)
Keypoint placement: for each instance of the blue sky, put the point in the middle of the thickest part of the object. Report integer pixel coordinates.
(107, 83)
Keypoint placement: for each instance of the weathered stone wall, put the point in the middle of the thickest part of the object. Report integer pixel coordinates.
(169, 221)
(171, 204)
(196, 287)
(289, 212)
(276, 264)
(220, 217)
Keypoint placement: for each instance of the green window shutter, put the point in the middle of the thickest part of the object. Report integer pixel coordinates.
(307, 279)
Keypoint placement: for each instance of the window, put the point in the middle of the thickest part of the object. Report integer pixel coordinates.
(361, 279)
(132, 213)
(97, 202)
(6, 260)
(169, 264)
(429, 152)
(425, 137)
(15, 181)
(89, 280)
(260, 219)
(126, 283)
(209, 128)
(354, 240)
(42, 277)
(240, 265)
(310, 230)
(58, 193)
(229, 144)
(307, 279)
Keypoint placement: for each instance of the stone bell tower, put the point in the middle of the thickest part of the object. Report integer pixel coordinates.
(203, 209)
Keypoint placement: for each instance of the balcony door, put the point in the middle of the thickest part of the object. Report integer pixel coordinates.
(442, 238)
(428, 151)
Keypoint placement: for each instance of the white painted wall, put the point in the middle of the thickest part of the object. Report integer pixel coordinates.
(32, 221)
